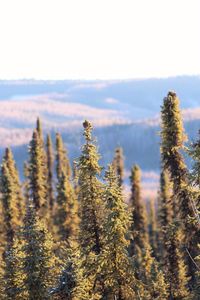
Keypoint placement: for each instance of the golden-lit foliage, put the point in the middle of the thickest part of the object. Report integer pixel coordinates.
(80, 240)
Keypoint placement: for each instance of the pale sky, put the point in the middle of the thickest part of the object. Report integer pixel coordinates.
(99, 39)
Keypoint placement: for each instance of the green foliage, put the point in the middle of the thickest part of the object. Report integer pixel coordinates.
(115, 266)
(90, 195)
(50, 161)
(11, 213)
(139, 218)
(172, 144)
(165, 213)
(152, 228)
(9, 160)
(176, 268)
(91, 207)
(155, 286)
(62, 161)
(109, 254)
(118, 164)
(37, 174)
(66, 214)
(37, 261)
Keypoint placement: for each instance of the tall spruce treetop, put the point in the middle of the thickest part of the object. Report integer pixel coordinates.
(11, 212)
(62, 161)
(139, 220)
(116, 268)
(173, 138)
(90, 195)
(37, 172)
(9, 160)
(118, 164)
(50, 158)
(172, 143)
(39, 128)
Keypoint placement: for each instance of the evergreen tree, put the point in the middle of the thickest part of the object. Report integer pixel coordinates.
(139, 220)
(194, 152)
(164, 212)
(176, 268)
(152, 228)
(152, 277)
(11, 213)
(26, 182)
(39, 128)
(62, 161)
(116, 268)
(118, 164)
(37, 174)
(65, 289)
(165, 206)
(172, 144)
(66, 215)
(9, 160)
(50, 162)
(91, 204)
(37, 259)
(11, 278)
(12, 221)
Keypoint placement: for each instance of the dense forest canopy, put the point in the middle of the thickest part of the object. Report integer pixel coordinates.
(68, 231)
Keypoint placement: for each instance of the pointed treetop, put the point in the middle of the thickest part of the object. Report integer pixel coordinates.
(87, 130)
(173, 135)
(172, 94)
(135, 173)
(39, 127)
(8, 153)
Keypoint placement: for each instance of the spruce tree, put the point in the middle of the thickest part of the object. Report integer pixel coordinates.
(66, 214)
(11, 213)
(194, 152)
(165, 212)
(12, 277)
(9, 160)
(62, 161)
(67, 283)
(152, 228)
(91, 207)
(139, 219)
(37, 258)
(50, 158)
(151, 275)
(39, 128)
(172, 144)
(118, 164)
(165, 205)
(12, 221)
(116, 268)
(176, 268)
(37, 174)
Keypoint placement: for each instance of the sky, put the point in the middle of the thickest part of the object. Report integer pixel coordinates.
(99, 39)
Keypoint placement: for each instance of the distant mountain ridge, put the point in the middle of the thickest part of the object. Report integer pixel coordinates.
(124, 113)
